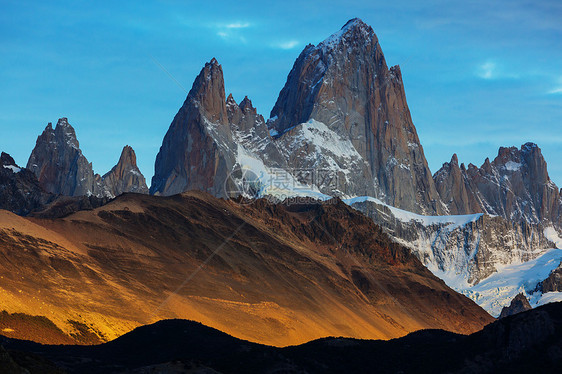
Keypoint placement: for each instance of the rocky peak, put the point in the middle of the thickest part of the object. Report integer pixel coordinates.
(62, 169)
(455, 159)
(355, 31)
(344, 83)
(354, 48)
(65, 132)
(247, 107)
(451, 184)
(515, 186)
(123, 177)
(518, 304)
(196, 153)
(553, 283)
(208, 92)
(20, 191)
(230, 102)
(7, 160)
(58, 163)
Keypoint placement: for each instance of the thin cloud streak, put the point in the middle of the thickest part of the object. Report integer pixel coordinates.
(289, 44)
(237, 25)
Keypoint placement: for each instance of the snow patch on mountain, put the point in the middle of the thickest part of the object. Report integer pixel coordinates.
(315, 150)
(452, 222)
(542, 299)
(552, 235)
(265, 181)
(497, 291)
(13, 168)
(512, 166)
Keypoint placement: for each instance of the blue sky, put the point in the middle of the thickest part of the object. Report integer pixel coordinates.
(478, 75)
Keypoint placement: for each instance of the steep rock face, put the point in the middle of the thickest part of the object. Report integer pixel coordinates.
(518, 304)
(515, 186)
(58, 162)
(20, 191)
(123, 177)
(198, 151)
(62, 169)
(345, 84)
(454, 188)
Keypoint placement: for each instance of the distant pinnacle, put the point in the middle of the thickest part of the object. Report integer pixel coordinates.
(455, 159)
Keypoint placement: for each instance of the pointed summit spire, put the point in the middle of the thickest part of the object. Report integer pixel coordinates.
(208, 92)
(246, 106)
(123, 177)
(455, 159)
(58, 162)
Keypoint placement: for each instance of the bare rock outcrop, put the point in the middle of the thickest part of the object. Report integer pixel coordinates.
(518, 304)
(58, 162)
(553, 283)
(515, 185)
(62, 169)
(198, 151)
(20, 191)
(123, 177)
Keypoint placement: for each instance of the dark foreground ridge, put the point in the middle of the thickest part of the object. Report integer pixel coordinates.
(528, 342)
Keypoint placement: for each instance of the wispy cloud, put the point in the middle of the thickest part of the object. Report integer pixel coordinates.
(232, 31)
(237, 25)
(557, 88)
(491, 70)
(487, 70)
(288, 44)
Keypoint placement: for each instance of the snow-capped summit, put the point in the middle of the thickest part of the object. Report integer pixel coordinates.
(354, 28)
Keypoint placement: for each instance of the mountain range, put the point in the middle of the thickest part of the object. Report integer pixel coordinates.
(259, 211)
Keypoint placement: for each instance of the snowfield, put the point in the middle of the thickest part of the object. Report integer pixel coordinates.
(452, 266)
(405, 216)
(497, 291)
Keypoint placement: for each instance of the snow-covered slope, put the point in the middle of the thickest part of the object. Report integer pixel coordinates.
(497, 291)
(487, 258)
(451, 222)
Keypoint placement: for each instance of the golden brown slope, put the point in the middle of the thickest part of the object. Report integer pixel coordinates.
(273, 274)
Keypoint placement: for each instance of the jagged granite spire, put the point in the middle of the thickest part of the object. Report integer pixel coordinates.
(62, 169)
(58, 162)
(454, 190)
(515, 185)
(190, 156)
(123, 177)
(345, 84)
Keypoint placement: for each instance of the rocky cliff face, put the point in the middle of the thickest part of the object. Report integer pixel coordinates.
(198, 151)
(62, 169)
(58, 162)
(518, 304)
(20, 191)
(462, 250)
(345, 85)
(515, 185)
(123, 177)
